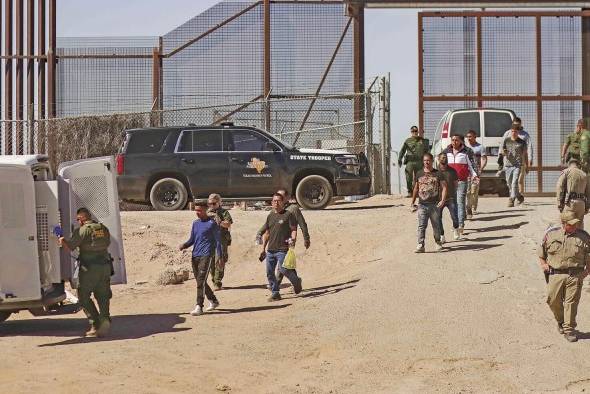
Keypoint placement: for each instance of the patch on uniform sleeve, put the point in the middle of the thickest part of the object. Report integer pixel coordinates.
(550, 229)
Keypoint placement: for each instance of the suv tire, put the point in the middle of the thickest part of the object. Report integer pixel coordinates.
(314, 192)
(4, 315)
(168, 194)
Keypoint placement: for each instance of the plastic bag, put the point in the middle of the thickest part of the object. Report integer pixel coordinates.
(290, 260)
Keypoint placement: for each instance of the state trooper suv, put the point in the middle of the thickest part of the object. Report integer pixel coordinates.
(167, 166)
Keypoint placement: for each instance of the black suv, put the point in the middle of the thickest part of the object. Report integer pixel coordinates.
(168, 165)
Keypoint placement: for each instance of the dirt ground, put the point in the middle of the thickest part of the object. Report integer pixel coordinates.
(373, 318)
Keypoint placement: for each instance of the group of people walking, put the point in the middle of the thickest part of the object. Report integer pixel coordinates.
(210, 238)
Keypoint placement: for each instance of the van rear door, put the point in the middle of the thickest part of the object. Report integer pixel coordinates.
(92, 183)
(495, 124)
(19, 265)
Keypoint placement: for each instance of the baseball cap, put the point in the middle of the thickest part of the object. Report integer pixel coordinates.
(569, 217)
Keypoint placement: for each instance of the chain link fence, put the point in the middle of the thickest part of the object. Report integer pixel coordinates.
(351, 123)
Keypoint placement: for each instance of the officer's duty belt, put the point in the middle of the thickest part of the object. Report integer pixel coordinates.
(577, 196)
(569, 271)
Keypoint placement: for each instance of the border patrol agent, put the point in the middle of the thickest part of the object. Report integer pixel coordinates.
(93, 240)
(573, 191)
(224, 220)
(584, 146)
(571, 148)
(563, 256)
(411, 155)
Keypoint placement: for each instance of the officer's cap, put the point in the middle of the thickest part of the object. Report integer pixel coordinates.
(574, 160)
(569, 217)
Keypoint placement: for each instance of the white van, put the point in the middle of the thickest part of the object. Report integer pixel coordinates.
(33, 204)
(489, 124)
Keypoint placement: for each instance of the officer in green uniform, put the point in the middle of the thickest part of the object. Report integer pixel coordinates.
(93, 240)
(584, 145)
(411, 155)
(563, 256)
(573, 191)
(571, 148)
(224, 221)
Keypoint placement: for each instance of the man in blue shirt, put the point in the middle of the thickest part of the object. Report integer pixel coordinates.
(206, 241)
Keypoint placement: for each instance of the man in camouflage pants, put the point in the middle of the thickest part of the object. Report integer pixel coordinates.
(224, 221)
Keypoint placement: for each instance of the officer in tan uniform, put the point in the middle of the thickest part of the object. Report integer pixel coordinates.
(573, 191)
(563, 256)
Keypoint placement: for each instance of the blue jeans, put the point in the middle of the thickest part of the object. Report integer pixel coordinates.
(425, 212)
(452, 207)
(274, 259)
(461, 197)
(512, 174)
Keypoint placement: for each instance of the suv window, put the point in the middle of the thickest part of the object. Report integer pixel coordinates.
(462, 122)
(200, 141)
(496, 123)
(150, 141)
(249, 141)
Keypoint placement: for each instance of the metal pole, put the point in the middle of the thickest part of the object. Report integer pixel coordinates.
(369, 135)
(420, 72)
(30, 75)
(267, 65)
(8, 76)
(41, 103)
(156, 73)
(357, 12)
(19, 76)
(388, 132)
(384, 145)
(51, 62)
(539, 107)
(586, 67)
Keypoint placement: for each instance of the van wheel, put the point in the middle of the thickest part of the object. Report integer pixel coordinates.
(4, 316)
(168, 194)
(314, 192)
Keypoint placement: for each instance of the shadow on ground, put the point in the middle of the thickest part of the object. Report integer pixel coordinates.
(223, 311)
(486, 239)
(123, 327)
(472, 247)
(365, 207)
(514, 210)
(497, 228)
(492, 218)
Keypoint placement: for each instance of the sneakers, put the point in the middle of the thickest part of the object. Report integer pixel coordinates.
(92, 333)
(456, 234)
(439, 247)
(212, 305)
(571, 337)
(443, 239)
(217, 287)
(500, 173)
(198, 311)
(419, 248)
(297, 287)
(560, 328)
(104, 328)
(274, 297)
(469, 216)
(510, 202)
(519, 199)
(474, 211)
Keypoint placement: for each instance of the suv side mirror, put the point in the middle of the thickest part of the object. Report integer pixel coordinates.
(271, 147)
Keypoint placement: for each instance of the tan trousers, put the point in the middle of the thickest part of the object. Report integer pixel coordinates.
(578, 207)
(472, 197)
(523, 171)
(563, 297)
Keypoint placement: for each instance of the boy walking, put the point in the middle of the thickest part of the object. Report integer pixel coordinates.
(205, 240)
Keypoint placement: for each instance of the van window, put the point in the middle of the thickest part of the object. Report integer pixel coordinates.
(200, 141)
(146, 141)
(462, 122)
(496, 123)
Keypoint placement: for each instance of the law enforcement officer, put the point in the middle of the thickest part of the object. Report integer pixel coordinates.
(563, 256)
(584, 146)
(571, 148)
(573, 191)
(224, 220)
(411, 155)
(93, 239)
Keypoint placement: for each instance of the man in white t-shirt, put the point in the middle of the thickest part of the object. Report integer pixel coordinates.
(481, 160)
